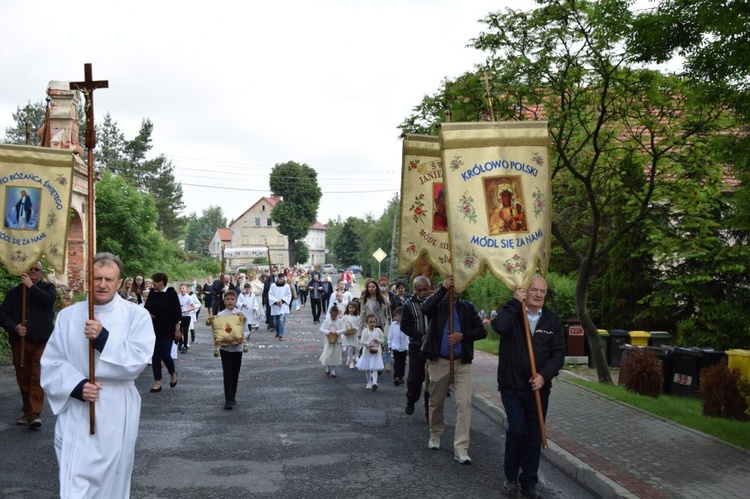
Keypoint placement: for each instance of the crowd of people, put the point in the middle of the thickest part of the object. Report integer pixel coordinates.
(140, 321)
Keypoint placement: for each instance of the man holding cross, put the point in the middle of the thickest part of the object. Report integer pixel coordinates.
(98, 465)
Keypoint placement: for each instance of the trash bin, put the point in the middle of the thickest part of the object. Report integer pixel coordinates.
(682, 371)
(574, 338)
(659, 338)
(709, 357)
(739, 359)
(639, 338)
(617, 338)
(604, 341)
(625, 351)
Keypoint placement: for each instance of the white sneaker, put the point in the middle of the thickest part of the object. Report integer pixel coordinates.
(434, 442)
(369, 386)
(462, 456)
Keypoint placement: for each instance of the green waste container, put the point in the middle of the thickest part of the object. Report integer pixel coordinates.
(604, 340)
(659, 338)
(639, 338)
(617, 338)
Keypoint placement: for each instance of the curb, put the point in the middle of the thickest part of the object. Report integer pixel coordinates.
(578, 471)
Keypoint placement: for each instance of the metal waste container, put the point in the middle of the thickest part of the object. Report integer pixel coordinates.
(659, 338)
(639, 338)
(682, 368)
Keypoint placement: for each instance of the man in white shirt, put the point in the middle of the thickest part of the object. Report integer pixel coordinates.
(280, 296)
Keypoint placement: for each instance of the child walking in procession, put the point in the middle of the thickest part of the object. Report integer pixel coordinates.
(231, 353)
(333, 329)
(399, 344)
(371, 360)
(351, 336)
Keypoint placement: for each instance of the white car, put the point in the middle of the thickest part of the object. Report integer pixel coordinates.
(329, 269)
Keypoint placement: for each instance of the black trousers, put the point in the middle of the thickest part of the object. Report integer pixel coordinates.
(230, 365)
(316, 305)
(416, 373)
(185, 332)
(399, 363)
(162, 352)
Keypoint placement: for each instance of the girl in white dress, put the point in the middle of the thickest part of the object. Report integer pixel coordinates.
(331, 356)
(371, 360)
(351, 333)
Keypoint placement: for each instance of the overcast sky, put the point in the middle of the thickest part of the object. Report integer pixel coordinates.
(234, 88)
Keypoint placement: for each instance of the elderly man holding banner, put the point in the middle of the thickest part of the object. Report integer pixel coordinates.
(523, 438)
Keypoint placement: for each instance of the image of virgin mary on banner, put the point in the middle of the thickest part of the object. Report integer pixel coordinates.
(35, 189)
(497, 184)
(423, 238)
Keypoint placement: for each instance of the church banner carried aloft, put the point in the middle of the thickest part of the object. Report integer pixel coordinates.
(35, 188)
(497, 177)
(423, 239)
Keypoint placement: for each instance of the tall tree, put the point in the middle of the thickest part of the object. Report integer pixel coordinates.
(167, 194)
(201, 229)
(16, 134)
(347, 245)
(297, 186)
(110, 145)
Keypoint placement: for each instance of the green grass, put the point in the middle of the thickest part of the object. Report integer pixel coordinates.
(686, 411)
(491, 344)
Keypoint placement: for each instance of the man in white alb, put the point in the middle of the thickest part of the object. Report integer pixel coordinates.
(98, 465)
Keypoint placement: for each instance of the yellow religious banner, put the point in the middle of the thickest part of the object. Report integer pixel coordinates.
(497, 179)
(423, 239)
(35, 188)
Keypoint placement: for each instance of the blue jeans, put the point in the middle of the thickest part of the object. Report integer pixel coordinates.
(278, 321)
(523, 440)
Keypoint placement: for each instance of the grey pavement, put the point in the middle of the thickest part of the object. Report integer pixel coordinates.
(614, 450)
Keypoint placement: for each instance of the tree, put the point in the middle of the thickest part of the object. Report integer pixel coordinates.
(620, 136)
(297, 186)
(347, 245)
(110, 145)
(16, 134)
(302, 252)
(126, 224)
(200, 230)
(167, 194)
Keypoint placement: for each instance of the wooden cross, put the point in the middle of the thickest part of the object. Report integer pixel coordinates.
(486, 79)
(87, 87)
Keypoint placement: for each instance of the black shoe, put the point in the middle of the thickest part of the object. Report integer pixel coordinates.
(374, 387)
(530, 491)
(228, 405)
(396, 382)
(409, 408)
(233, 402)
(155, 390)
(510, 488)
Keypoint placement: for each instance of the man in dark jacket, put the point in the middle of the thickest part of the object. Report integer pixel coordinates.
(40, 310)
(467, 328)
(523, 440)
(414, 325)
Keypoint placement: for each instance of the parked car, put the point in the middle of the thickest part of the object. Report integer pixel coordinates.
(356, 269)
(329, 269)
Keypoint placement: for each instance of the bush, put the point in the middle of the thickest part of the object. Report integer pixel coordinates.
(641, 373)
(723, 393)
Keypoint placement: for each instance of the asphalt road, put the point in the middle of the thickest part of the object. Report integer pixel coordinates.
(294, 434)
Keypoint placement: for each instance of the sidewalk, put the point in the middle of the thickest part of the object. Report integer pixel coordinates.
(614, 450)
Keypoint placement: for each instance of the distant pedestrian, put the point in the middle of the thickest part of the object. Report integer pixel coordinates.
(399, 344)
(350, 341)
(414, 325)
(371, 360)
(280, 297)
(523, 439)
(164, 306)
(332, 329)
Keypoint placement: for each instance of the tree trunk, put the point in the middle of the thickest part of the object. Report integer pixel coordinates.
(292, 252)
(589, 328)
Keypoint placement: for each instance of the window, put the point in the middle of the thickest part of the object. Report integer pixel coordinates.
(269, 222)
(257, 221)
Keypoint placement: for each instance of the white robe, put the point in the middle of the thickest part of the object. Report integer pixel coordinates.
(282, 294)
(249, 307)
(98, 465)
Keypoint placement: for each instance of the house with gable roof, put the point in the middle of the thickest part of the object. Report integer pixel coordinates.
(254, 228)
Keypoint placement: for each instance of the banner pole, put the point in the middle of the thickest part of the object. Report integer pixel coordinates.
(537, 395)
